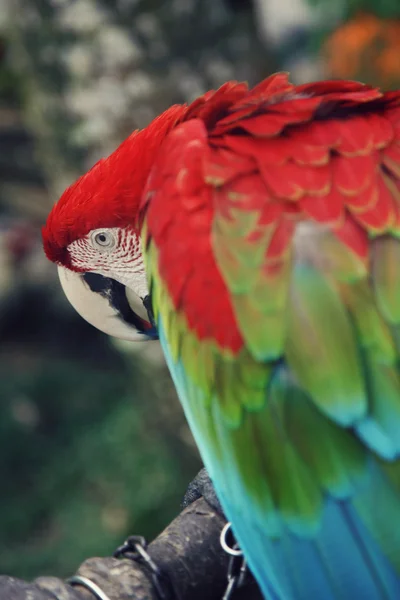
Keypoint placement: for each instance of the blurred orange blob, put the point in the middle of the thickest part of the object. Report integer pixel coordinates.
(365, 48)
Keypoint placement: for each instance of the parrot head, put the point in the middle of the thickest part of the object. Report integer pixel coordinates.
(93, 235)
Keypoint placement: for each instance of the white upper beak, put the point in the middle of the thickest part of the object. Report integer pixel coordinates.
(98, 310)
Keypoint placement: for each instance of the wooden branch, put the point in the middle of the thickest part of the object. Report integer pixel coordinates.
(188, 550)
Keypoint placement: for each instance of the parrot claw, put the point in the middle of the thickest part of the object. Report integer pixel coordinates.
(202, 486)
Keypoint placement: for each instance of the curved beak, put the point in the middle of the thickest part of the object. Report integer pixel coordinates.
(108, 305)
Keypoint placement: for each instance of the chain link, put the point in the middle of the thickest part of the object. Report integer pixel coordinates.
(237, 566)
(134, 548)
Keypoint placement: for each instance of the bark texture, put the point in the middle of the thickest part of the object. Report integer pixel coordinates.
(188, 551)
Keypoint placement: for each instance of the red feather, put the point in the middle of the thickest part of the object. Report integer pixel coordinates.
(327, 152)
(110, 192)
(185, 240)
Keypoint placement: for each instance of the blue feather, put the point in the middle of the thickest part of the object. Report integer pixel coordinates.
(343, 547)
(341, 562)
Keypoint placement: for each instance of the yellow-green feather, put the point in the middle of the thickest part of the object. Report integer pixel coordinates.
(300, 427)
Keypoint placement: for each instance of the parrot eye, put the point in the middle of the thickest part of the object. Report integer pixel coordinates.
(103, 239)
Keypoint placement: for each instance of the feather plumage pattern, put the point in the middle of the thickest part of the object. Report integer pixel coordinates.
(283, 216)
(270, 226)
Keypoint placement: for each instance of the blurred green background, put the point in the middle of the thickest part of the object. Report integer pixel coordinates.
(93, 443)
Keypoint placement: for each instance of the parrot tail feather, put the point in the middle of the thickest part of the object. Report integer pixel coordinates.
(342, 563)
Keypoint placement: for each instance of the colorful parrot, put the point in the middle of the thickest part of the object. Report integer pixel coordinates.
(257, 234)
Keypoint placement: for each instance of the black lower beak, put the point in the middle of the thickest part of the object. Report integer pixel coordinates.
(114, 292)
(149, 308)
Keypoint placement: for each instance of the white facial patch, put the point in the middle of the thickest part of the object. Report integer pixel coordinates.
(112, 252)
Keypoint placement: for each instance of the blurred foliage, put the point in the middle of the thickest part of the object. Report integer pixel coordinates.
(87, 452)
(84, 465)
(385, 9)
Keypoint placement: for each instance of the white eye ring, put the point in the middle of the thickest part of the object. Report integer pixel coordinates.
(103, 239)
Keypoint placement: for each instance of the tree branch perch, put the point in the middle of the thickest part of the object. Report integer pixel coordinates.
(188, 551)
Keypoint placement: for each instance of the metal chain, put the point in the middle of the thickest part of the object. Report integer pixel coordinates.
(135, 546)
(135, 549)
(237, 567)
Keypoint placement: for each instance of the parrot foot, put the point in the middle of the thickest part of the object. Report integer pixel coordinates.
(202, 486)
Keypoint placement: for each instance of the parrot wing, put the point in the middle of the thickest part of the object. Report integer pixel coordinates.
(271, 242)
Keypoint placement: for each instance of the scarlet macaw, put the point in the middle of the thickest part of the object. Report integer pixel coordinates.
(256, 232)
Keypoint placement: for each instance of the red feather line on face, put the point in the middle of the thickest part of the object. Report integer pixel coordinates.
(289, 151)
(109, 194)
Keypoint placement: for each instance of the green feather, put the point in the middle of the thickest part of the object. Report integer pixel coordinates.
(386, 277)
(373, 333)
(230, 392)
(321, 347)
(380, 429)
(264, 343)
(277, 480)
(238, 257)
(335, 456)
(199, 362)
